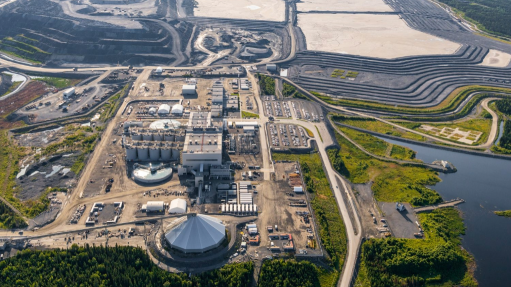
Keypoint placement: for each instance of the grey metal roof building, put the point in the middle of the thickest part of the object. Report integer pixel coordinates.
(196, 233)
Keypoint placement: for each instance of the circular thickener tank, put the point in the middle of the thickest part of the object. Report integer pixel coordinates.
(143, 153)
(166, 154)
(131, 153)
(147, 137)
(154, 153)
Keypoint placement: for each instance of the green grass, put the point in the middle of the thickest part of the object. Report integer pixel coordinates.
(377, 146)
(113, 103)
(324, 205)
(506, 213)
(391, 181)
(479, 125)
(12, 88)
(33, 61)
(320, 137)
(59, 83)
(436, 260)
(377, 126)
(246, 115)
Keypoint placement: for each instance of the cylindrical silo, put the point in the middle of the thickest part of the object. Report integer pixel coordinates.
(158, 136)
(143, 153)
(180, 137)
(147, 136)
(175, 154)
(169, 136)
(166, 154)
(154, 153)
(136, 136)
(131, 153)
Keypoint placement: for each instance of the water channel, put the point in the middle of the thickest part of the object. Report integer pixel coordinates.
(485, 184)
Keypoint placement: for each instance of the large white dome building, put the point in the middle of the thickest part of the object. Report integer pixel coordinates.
(196, 233)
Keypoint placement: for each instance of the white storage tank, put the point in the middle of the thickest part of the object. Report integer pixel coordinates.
(154, 153)
(235, 208)
(223, 208)
(255, 208)
(250, 208)
(147, 136)
(131, 152)
(166, 154)
(243, 208)
(152, 111)
(143, 153)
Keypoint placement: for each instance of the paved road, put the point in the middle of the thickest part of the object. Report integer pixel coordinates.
(494, 124)
(354, 239)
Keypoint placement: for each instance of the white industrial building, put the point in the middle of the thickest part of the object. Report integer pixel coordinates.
(69, 92)
(195, 233)
(159, 70)
(203, 142)
(177, 110)
(247, 124)
(177, 205)
(189, 89)
(154, 206)
(163, 110)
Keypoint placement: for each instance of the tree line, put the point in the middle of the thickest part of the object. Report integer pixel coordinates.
(109, 266)
(288, 273)
(493, 15)
(9, 219)
(504, 106)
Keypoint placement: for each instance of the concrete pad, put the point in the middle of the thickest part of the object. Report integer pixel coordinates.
(267, 10)
(379, 36)
(401, 223)
(497, 59)
(345, 5)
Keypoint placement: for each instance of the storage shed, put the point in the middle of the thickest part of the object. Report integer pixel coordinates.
(177, 205)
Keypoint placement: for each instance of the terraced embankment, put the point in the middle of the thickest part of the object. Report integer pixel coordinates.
(39, 31)
(413, 81)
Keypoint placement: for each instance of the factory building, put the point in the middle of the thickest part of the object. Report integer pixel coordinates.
(217, 110)
(195, 233)
(189, 89)
(203, 142)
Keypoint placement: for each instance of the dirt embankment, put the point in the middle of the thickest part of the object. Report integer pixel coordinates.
(32, 91)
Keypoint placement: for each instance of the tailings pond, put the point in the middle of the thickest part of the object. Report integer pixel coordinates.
(485, 184)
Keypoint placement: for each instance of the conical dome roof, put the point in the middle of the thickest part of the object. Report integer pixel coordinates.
(196, 233)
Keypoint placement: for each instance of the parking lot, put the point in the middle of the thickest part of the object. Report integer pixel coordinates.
(298, 109)
(286, 136)
(403, 224)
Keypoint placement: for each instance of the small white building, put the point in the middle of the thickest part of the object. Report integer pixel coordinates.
(189, 89)
(249, 130)
(298, 189)
(159, 70)
(154, 206)
(247, 124)
(164, 109)
(177, 205)
(69, 92)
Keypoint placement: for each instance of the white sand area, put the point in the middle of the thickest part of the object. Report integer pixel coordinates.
(379, 36)
(267, 10)
(497, 59)
(345, 5)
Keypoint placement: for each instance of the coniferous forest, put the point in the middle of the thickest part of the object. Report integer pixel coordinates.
(493, 15)
(113, 266)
